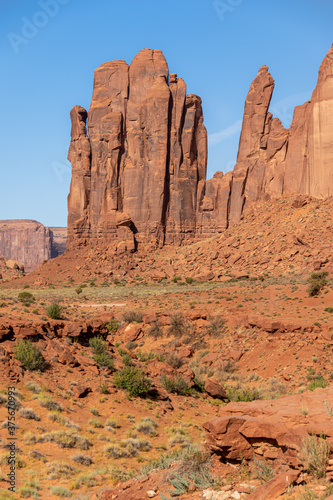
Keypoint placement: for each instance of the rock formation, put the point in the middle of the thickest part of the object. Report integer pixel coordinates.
(29, 242)
(140, 170)
(139, 173)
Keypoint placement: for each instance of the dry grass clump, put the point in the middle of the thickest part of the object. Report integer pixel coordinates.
(60, 469)
(65, 439)
(146, 426)
(55, 416)
(29, 414)
(82, 459)
(128, 448)
(49, 403)
(314, 454)
(179, 325)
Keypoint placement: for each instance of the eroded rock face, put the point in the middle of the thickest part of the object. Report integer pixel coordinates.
(144, 156)
(29, 242)
(271, 429)
(272, 160)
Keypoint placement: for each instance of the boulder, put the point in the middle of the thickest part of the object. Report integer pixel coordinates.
(275, 487)
(213, 388)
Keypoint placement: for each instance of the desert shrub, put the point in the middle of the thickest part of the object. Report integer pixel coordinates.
(28, 492)
(133, 446)
(78, 290)
(216, 326)
(155, 330)
(148, 356)
(132, 317)
(133, 380)
(126, 359)
(194, 468)
(59, 469)
(60, 491)
(29, 414)
(26, 298)
(104, 388)
(243, 394)
(115, 451)
(177, 385)
(146, 426)
(112, 326)
(66, 439)
(97, 344)
(54, 311)
(317, 281)
(94, 422)
(262, 471)
(49, 404)
(179, 325)
(55, 416)
(173, 360)
(224, 369)
(29, 355)
(37, 455)
(318, 381)
(112, 422)
(101, 356)
(189, 281)
(82, 459)
(104, 360)
(314, 454)
(329, 309)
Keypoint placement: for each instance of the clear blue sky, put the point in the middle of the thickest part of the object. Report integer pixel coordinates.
(217, 49)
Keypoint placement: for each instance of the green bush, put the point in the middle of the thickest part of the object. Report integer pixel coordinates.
(177, 385)
(189, 281)
(101, 356)
(54, 311)
(317, 382)
(112, 326)
(317, 281)
(133, 380)
(26, 298)
(243, 394)
(97, 344)
(104, 360)
(29, 355)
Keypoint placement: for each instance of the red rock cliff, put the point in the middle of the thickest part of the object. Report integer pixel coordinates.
(138, 169)
(29, 242)
(139, 172)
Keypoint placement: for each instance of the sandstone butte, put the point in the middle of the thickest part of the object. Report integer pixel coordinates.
(139, 170)
(30, 243)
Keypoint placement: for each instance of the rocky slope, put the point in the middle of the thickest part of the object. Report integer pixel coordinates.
(139, 172)
(29, 242)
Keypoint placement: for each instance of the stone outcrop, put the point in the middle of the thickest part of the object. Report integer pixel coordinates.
(29, 242)
(273, 161)
(139, 171)
(272, 429)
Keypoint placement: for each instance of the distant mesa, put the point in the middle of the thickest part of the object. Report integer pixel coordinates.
(29, 243)
(143, 159)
